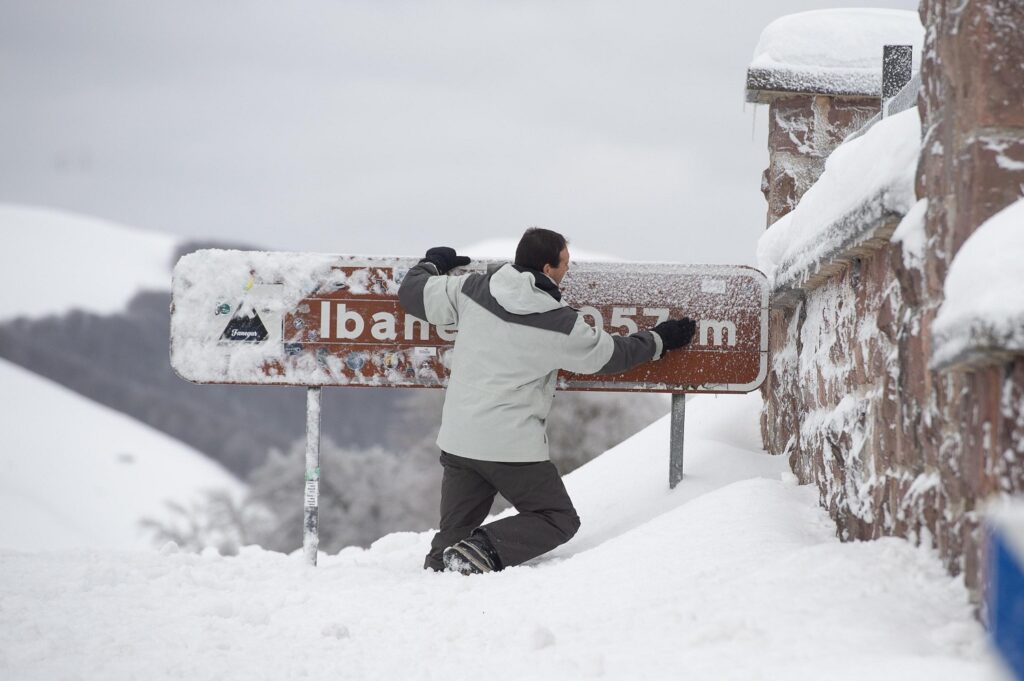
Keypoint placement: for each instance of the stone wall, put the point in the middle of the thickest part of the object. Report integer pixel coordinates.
(897, 447)
(894, 447)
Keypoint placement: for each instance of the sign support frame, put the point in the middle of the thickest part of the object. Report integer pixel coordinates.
(314, 320)
(311, 505)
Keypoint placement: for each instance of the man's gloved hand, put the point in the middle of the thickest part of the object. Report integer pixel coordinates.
(676, 333)
(445, 259)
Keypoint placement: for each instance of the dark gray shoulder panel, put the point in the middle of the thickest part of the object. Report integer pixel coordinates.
(476, 282)
(410, 293)
(478, 288)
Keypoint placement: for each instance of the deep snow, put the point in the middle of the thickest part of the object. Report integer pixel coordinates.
(734, 575)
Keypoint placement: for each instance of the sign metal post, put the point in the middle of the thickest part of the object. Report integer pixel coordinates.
(675, 440)
(311, 507)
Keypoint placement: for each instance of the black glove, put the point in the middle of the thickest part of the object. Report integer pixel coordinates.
(676, 333)
(445, 259)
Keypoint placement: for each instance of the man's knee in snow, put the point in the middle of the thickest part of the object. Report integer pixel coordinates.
(570, 526)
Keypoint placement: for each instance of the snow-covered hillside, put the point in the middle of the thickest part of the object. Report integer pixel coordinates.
(734, 575)
(64, 261)
(76, 474)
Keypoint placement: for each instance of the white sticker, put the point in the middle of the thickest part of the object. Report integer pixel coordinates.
(712, 285)
(421, 353)
(312, 493)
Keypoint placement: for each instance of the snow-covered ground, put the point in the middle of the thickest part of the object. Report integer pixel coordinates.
(734, 575)
(74, 473)
(64, 261)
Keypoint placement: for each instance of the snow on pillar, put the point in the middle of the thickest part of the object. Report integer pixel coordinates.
(820, 74)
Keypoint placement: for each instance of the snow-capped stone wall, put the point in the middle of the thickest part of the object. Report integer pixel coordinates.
(901, 436)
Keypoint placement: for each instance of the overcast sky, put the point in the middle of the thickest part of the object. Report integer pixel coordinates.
(388, 127)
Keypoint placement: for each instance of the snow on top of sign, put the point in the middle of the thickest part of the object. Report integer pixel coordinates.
(78, 474)
(54, 261)
(984, 296)
(864, 178)
(831, 50)
(207, 279)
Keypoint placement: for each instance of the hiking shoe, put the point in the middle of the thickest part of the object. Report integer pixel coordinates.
(473, 555)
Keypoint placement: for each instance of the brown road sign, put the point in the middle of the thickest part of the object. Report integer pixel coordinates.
(313, 320)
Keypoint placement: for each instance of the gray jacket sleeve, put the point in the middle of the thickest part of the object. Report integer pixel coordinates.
(430, 296)
(631, 350)
(587, 350)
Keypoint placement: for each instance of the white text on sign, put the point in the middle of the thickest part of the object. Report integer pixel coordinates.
(339, 322)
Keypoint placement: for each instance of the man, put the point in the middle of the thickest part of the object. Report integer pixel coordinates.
(515, 333)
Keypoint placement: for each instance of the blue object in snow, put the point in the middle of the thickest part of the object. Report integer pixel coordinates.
(1006, 591)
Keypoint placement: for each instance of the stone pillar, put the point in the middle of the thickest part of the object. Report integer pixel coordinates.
(972, 110)
(971, 166)
(803, 129)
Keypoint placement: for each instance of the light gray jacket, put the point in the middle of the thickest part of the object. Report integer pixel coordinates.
(513, 338)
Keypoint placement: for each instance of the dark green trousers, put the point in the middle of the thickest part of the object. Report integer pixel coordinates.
(546, 515)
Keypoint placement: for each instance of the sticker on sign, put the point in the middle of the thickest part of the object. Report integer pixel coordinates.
(250, 317)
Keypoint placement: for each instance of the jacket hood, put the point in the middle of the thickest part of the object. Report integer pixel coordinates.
(518, 292)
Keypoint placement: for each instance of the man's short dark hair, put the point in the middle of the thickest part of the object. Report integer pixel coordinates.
(540, 247)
